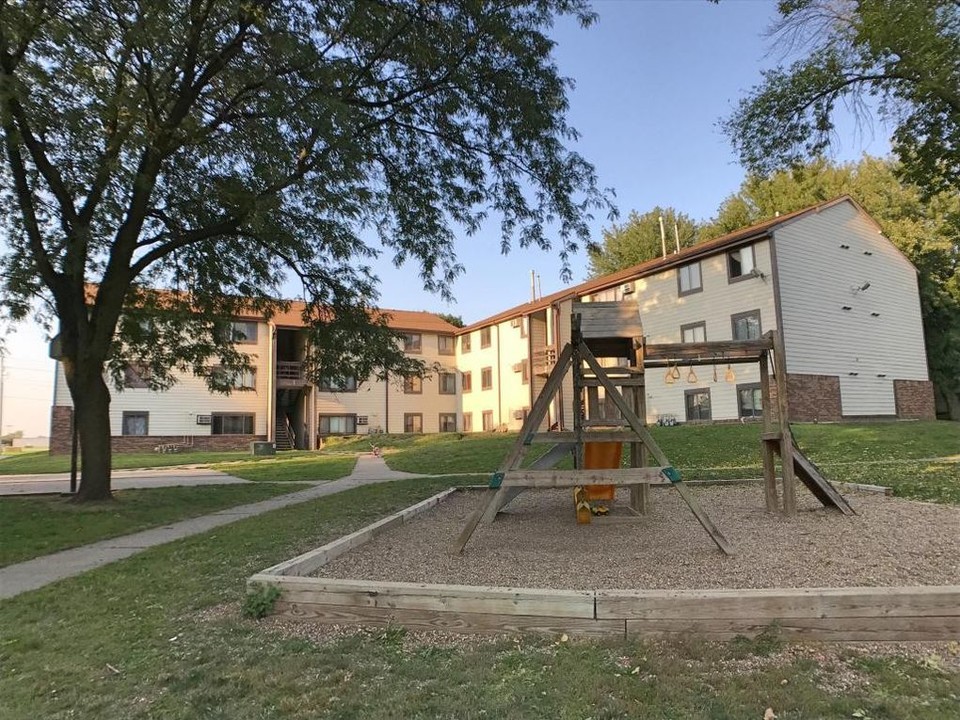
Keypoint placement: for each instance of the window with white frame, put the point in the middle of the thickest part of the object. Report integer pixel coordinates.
(693, 332)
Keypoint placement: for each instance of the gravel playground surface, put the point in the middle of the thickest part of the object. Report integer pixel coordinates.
(537, 543)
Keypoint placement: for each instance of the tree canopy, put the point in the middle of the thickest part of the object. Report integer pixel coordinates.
(925, 227)
(902, 55)
(638, 239)
(215, 148)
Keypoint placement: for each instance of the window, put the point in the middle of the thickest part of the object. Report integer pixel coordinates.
(468, 422)
(740, 263)
(448, 383)
(445, 344)
(237, 379)
(413, 385)
(487, 420)
(338, 424)
(135, 423)
(750, 400)
(466, 382)
(448, 422)
(689, 280)
(412, 422)
(465, 343)
(525, 373)
(243, 331)
(136, 376)
(698, 404)
(523, 326)
(232, 424)
(486, 378)
(746, 326)
(485, 337)
(412, 342)
(338, 386)
(694, 332)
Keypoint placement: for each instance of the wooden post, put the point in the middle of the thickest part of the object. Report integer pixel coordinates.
(786, 439)
(766, 448)
(639, 494)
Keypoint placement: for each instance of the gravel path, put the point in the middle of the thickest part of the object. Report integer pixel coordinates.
(537, 543)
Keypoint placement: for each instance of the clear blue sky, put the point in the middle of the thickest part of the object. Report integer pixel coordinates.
(652, 79)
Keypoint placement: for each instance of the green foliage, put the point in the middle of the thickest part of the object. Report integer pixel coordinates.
(217, 149)
(259, 600)
(454, 320)
(925, 227)
(905, 53)
(638, 239)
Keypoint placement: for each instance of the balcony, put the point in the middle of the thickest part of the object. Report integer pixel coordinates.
(290, 374)
(544, 360)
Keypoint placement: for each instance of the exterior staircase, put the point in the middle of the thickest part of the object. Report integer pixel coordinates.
(283, 440)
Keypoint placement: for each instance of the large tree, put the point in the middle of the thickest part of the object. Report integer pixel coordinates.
(638, 239)
(902, 56)
(925, 227)
(214, 148)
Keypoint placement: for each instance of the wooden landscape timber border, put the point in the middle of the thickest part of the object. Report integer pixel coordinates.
(822, 614)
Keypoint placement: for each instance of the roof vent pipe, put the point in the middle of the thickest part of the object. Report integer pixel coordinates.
(663, 238)
(676, 234)
(533, 286)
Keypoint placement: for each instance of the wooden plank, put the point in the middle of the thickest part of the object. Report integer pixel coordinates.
(811, 476)
(592, 382)
(438, 597)
(625, 435)
(890, 629)
(309, 562)
(479, 623)
(767, 604)
(786, 439)
(574, 478)
(769, 478)
(609, 319)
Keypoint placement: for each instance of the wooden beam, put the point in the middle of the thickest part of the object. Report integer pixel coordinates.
(625, 435)
(709, 351)
(574, 478)
(786, 439)
(546, 461)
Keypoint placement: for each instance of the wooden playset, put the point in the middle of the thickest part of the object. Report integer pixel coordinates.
(614, 330)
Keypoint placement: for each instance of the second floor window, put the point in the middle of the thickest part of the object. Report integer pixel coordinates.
(341, 385)
(689, 280)
(243, 331)
(445, 344)
(465, 343)
(485, 337)
(412, 385)
(448, 383)
(486, 378)
(746, 326)
(237, 379)
(466, 382)
(412, 342)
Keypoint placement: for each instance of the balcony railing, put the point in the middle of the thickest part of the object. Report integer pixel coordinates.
(544, 359)
(290, 373)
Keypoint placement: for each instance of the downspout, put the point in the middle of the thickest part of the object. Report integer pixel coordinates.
(271, 381)
(499, 383)
(386, 403)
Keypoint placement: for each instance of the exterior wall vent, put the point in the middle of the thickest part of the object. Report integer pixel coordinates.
(515, 322)
(204, 420)
(627, 288)
(362, 420)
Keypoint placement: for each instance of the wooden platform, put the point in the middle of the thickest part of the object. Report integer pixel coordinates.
(827, 614)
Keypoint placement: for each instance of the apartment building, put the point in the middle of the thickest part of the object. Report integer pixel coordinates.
(842, 295)
(275, 401)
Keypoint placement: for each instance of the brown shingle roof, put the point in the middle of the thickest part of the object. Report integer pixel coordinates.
(742, 236)
(415, 320)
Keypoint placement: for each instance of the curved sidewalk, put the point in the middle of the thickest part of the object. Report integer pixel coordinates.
(33, 574)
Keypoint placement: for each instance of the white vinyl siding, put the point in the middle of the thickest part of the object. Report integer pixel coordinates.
(880, 335)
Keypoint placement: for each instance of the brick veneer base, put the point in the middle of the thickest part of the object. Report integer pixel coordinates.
(61, 418)
(814, 398)
(914, 399)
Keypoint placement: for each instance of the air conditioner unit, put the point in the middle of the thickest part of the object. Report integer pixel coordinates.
(516, 322)
(204, 420)
(518, 367)
(627, 288)
(362, 420)
(518, 414)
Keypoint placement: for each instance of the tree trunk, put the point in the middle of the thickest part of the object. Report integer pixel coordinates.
(91, 402)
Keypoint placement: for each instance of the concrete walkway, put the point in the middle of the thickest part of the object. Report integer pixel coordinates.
(121, 480)
(33, 574)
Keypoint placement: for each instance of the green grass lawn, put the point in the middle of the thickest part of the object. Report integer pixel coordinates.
(158, 636)
(37, 463)
(292, 467)
(34, 526)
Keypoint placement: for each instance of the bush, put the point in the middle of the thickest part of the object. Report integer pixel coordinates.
(260, 600)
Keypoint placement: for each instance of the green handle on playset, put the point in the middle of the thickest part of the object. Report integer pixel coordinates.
(672, 474)
(496, 479)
